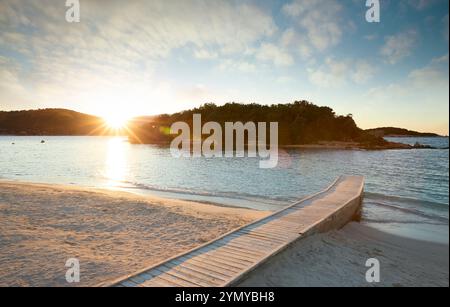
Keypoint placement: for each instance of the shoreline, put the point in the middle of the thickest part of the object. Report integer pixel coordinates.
(323, 145)
(126, 194)
(161, 195)
(112, 233)
(357, 146)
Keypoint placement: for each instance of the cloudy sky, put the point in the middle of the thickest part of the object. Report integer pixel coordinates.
(162, 56)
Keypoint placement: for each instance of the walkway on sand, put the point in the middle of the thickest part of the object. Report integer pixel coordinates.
(226, 260)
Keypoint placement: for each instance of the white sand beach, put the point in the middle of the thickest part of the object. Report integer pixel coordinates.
(338, 259)
(111, 233)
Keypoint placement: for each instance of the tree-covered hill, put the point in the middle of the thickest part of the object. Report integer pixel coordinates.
(49, 122)
(300, 123)
(392, 131)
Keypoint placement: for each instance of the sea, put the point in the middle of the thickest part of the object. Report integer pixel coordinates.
(406, 192)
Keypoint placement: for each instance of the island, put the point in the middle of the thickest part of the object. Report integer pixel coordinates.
(302, 124)
(399, 132)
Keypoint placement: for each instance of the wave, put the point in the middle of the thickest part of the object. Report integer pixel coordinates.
(433, 211)
(216, 194)
(433, 204)
(391, 221)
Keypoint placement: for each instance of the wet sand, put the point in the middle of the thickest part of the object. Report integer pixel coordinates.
(111, 233)
(338, 259)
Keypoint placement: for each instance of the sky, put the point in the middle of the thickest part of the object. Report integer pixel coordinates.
(163, 56)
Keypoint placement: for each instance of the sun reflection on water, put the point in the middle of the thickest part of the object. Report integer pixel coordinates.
(116, 161)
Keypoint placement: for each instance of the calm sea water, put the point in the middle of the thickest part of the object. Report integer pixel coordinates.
(403, 187)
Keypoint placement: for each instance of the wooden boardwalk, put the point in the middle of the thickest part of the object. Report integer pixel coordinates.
(228, 259)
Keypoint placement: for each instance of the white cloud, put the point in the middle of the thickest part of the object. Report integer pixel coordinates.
(204, 54)
(334, 73)
(362, 72)
(11, 89)
(422, 4)
(442, 60)
(434, 75)
(198, 93)
(318, 20)
(429, 84)
(398, 47)
(8, 72)
(271, 53)
(237, 66)
(284, 79)
(291, 39)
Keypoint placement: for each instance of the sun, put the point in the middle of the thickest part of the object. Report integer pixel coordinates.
(116, 121)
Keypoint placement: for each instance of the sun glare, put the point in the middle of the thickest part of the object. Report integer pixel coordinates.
(116, 121)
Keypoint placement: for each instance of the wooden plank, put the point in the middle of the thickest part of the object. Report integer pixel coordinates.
(214, 268)
(153, 284)
(128, 283)
(158, 278)
(171, 278)
(228, 255)
(195, 276)
(204, 269)
(235, 248)
(174, 275)
(226, 269)
(222, 259)
(267, 234)
(280, 224)
(275, 232)
(230, 261)
(284, 225)
(240, 249)
(253, 249)
(281, 230)
(244, 248)
(241, 254)
(159, 281)
(262, 238)
(137, 279)
(259, 239)
(219, 261)
(254, 241)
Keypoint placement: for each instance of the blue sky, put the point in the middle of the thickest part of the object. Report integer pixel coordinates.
(151, 57)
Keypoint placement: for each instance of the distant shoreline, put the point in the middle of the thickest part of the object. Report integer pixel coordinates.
(356, 146)
(320, 145)
(416, 136)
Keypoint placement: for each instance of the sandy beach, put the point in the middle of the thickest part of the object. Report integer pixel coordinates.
(111, 233)
(338, 259)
